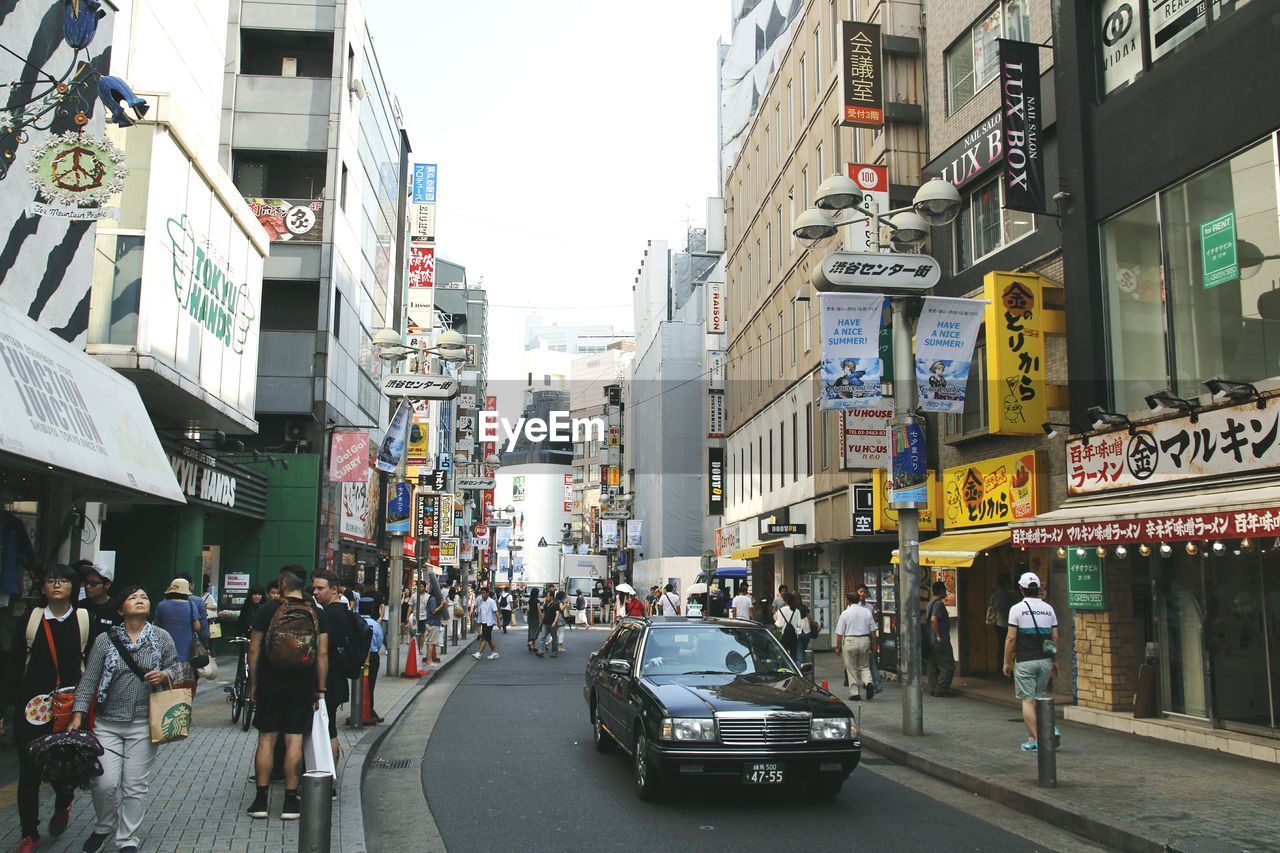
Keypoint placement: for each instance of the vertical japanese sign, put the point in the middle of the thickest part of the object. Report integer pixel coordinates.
(393, 442)
(874, 183)
(944, 351)
(715, 308)
(568, 493)
(993, 491)
(715, 481)
(398, 505)
(715, 413)
(1015, 327)
(635, 534)
(1021, 107)
(354, 513)
(861, 75)
(421, 277)
(608, 533)
(910, 476)
(1086, 589)
(424, 183)
(449, 551)
(715, 369)
(1219, 261)
(851, 367)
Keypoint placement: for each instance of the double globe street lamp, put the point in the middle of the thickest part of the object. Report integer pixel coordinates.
(936, 203)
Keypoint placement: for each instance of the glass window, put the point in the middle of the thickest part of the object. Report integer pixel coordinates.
(983, 225)
(974, 419)
(973, 60)
(808, 439)
(1189, 278)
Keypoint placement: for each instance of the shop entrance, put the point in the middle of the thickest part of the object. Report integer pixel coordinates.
(1243, 594)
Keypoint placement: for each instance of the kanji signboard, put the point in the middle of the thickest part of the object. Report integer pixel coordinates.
(1015, 329)
(1085, 587)
(861, 75)
(889, 273)
(885, 518)
(1238, 524)
(994, 491)
(1225, 441)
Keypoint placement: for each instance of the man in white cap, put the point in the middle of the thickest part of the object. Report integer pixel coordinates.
(96, 581)
(1033, 636)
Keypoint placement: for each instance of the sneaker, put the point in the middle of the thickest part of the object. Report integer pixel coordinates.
(58, 823)
(94, 842)
(261, 806)
(292, 806)
(1030, 746)
(493, 656)
(870, 690)
(129, 849)
(476, 655)
(1057, 737)
(30, 844)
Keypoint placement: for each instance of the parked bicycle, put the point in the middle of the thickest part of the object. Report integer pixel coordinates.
(238, 692)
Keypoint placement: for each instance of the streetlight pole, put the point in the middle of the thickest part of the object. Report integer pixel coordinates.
(936, 203)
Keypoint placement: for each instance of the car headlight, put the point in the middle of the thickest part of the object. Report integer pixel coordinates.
(831, 728)
(687, 729)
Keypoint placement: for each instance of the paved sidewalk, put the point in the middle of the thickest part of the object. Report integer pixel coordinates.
(1126, 792)
(200, 788)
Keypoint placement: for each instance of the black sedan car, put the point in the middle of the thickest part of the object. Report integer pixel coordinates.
(692, 699)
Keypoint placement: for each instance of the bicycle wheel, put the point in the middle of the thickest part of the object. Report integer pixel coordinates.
(248, 715)
(237, 706)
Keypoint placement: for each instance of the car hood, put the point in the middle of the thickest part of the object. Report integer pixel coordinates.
(700, 695)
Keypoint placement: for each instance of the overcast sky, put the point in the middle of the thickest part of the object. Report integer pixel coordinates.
(567, 133)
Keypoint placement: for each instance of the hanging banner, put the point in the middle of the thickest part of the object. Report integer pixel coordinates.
(715, 481)
(418, 430)
(715, 413)
(608, 533)
(884, 517)
(861, 75)
(354, 513)
(866, 439)
(944, 351)
(393, 442)
(420, 275)
(349, 457)
(399, 501)
(851, 366)
(1023, 147)
(635, 536)
(993, 491)
(910, 477)
(874, 183)
(715, 371)
(1017, 397)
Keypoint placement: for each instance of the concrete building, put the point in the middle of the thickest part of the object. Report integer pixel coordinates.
(574, 338)
(313, 137)
(783, 454)
(591, 377)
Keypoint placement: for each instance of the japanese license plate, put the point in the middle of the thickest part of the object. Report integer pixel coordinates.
(762, 774)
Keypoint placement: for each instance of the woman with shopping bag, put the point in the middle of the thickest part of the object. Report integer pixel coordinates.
(46, 658)
(127, 665)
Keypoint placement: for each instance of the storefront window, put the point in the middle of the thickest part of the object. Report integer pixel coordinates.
(1182, 624)
(1190, 278)
(1243, 591)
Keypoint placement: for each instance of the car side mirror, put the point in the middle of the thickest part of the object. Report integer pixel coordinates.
(806, 669)
(619, 667)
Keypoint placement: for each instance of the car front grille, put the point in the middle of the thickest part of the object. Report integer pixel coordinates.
(763, 730)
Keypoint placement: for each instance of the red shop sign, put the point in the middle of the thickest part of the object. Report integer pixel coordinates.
(1170, 528)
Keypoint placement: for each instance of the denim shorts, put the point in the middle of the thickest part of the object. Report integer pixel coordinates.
(1031, 678)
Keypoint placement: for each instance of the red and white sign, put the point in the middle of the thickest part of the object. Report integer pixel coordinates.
(481, 531)
(354, 512)
(422, 266)
(349, 457)
(1169, 528)
(1221, 442)
(568, 493)
(866, 439)
(874, 183)
(715, 308)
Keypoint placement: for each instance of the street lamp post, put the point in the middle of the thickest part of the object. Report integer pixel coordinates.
(450, 347)
(936, 203)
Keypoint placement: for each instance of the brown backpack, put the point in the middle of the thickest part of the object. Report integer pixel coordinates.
(293, 637)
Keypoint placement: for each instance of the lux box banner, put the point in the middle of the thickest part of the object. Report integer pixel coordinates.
(1231, 440)
(1171, 528)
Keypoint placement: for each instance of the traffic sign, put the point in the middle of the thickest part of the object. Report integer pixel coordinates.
(482, 530)
(883, 272)
(421, 386)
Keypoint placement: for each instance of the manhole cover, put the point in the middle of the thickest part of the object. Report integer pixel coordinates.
(393, 764)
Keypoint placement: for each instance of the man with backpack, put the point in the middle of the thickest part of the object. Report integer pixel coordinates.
(505, 604)
(347, 633)
(288, 674)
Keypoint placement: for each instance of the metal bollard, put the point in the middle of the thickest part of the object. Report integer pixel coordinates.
(1046, 744)
(316, 824)
(357, 697)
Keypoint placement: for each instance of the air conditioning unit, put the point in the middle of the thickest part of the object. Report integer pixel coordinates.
(357, 88)
(295, 431)
(288, 66)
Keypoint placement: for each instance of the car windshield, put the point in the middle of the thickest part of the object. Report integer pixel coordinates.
(713, 650)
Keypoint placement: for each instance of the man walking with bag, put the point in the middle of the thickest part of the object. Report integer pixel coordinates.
(855, 637)
(1033, 638)
(505, 603)
(288, 670)
(486, 616)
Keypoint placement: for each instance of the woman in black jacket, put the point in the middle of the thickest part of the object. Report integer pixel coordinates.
(534, 615)
(252, 602)
(55, 632)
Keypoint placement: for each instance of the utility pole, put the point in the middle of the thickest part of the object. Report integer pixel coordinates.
(910, 663)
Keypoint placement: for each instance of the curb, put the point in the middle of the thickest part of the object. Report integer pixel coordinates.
(350, 805)
(1042, 808)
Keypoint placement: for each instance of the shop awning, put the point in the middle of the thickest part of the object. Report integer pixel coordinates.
(1226, 513)
(753, 551)
(958, 550)
(64, 410)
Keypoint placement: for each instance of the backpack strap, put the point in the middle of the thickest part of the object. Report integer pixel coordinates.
(82, 619)
(33, 627)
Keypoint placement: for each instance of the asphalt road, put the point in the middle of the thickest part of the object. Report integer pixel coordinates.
(510, 763)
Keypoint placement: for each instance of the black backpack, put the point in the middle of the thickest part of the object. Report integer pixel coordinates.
(789, 637)
(351, 657)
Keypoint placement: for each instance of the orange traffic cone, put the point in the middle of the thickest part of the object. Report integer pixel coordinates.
(824, 685)
(412, 671)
